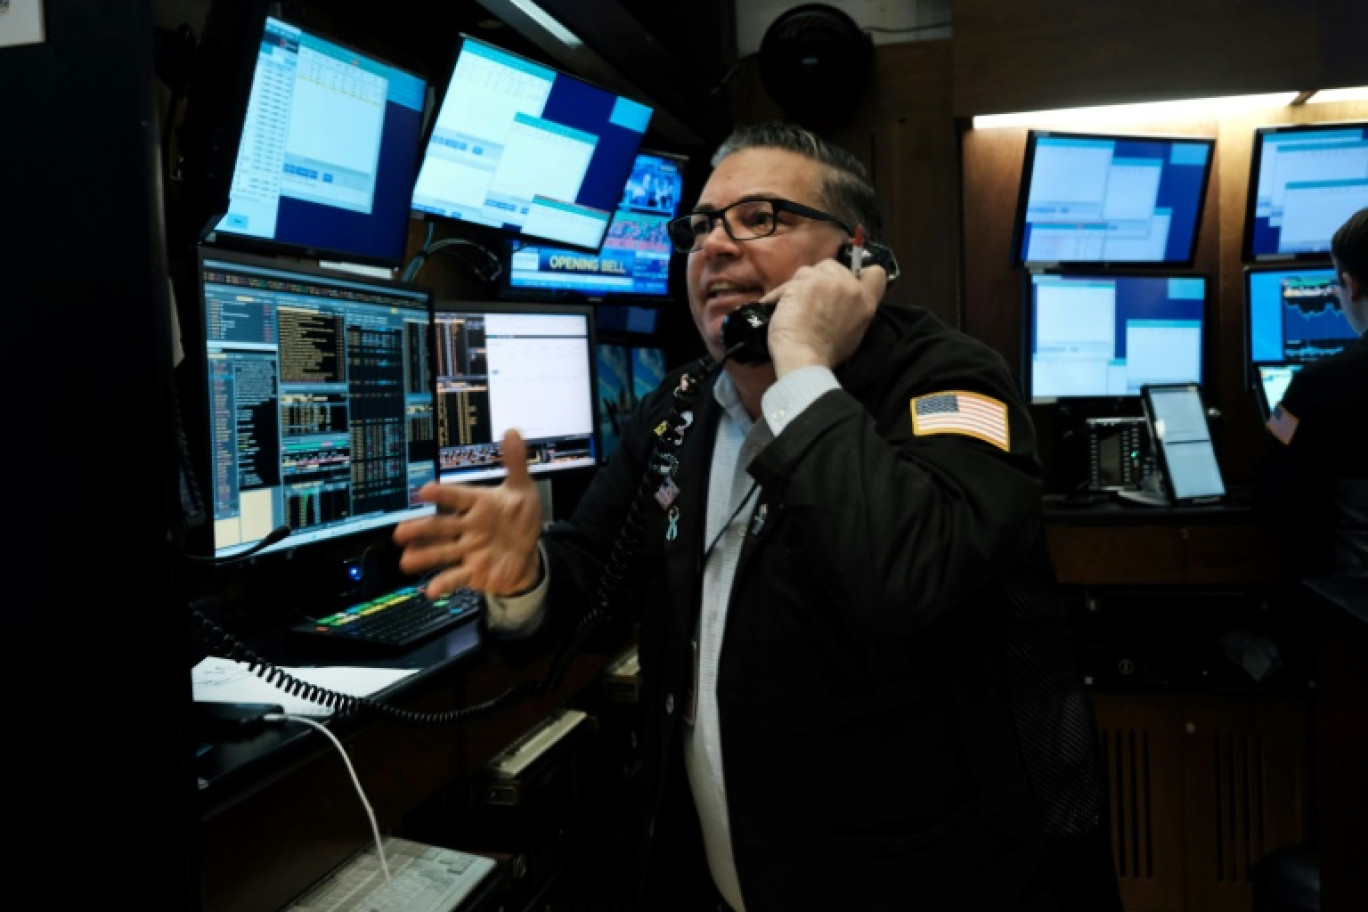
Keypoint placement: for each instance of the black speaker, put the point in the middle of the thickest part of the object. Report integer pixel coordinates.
(815, 62)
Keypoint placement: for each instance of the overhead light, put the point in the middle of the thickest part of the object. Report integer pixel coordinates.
(1356, 93)
(548, 22)
(1158, 110)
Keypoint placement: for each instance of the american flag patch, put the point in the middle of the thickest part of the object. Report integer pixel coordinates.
(1282, 424)
(957, 412)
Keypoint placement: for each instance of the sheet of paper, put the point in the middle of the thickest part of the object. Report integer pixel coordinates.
(219, 680)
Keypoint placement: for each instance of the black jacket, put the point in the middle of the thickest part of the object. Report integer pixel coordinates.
(1310, 489)
(871, 758)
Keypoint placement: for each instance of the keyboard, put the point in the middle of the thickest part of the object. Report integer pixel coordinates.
(397, 619)
(423, 878)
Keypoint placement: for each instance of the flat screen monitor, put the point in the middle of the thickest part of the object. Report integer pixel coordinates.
(529, 367)
(1292, 314)
(1090, 199)
(320, 399)
(1305, 180)
(1102, 335)
(329, 149)
(528, 150)
(634, 261)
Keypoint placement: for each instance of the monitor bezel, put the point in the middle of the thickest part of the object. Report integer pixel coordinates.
(499, 233)
(219, 237)
(1033, 137)
(569, 308)
(508, 291)
(1257, 146)
(342, 541)
(1120, 404)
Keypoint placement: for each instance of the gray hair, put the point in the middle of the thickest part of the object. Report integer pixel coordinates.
(846, 188)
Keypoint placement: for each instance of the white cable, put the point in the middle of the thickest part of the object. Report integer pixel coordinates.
(375, 829)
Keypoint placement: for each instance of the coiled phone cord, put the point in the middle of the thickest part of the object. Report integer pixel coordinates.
(669, 434)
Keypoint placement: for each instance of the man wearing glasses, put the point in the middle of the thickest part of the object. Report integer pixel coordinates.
(857, 691)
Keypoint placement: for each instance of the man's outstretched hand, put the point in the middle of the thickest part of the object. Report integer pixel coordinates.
(483, 538)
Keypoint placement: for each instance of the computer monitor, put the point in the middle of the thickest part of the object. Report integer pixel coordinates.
(634, 261)
(528, 150)
(1092, 199)
(1292, 318)
(329, 149)
(530, 367)
(1292, 314)
(320, 400)
(1305, 180)
(1102, 335)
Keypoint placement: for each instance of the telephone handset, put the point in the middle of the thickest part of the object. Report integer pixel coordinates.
(745, 331)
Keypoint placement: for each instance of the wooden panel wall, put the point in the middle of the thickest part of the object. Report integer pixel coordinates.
(902, 128)
(1026, 55)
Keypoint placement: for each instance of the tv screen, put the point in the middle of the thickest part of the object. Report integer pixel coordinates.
(529, 367)
(634, 261)
(1305, 180)
(1090, 200)
(1101, 335)
(526, 149)
(1292, 315)
(329, 148)
(320, 400)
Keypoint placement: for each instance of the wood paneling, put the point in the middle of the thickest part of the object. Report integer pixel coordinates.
(1244, 792)
(1027, 55)
(1200, 787)
(1164, 554)
(902, 129)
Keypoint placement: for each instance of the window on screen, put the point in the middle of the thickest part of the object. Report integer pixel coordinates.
(522, 147)
(1293, 314)
(636, 254)
(1089, 199)
(1098, 336)
(529, 368)
(1305, 181)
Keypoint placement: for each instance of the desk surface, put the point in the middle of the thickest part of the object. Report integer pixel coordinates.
(1107, 508)
(226, 766)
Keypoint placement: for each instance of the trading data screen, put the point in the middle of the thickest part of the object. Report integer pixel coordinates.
(320, 401)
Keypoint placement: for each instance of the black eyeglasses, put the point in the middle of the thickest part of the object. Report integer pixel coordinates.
(746, 220)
